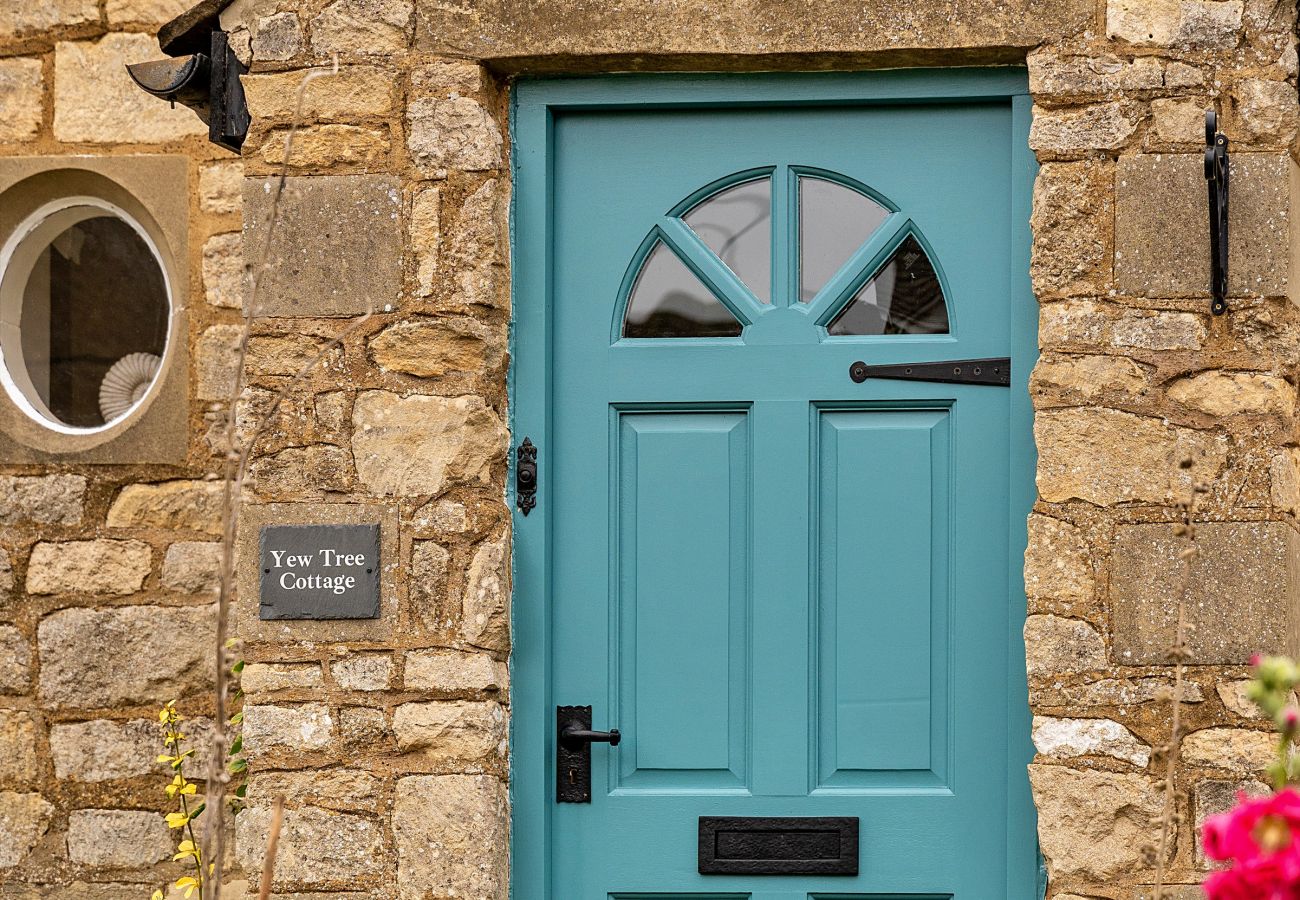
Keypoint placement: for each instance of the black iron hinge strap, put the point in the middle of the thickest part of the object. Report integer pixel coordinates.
(993, 371)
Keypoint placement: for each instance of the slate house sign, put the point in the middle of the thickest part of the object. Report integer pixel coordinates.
(319, 571)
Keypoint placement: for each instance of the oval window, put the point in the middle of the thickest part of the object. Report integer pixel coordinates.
(85, 314)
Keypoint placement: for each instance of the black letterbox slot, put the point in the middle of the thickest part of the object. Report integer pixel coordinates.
(752, 845)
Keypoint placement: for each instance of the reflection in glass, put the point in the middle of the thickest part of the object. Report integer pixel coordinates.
(834, 221)
(902, 298)
(736, 224)
(668, 300)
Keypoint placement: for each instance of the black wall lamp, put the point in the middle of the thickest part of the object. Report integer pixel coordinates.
(1216, 177)
(202, 73)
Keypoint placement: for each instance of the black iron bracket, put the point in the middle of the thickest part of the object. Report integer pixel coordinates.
(1216, 177)
(995, 372)
(526, 476)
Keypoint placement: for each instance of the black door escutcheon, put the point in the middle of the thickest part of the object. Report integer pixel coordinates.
(573, 740)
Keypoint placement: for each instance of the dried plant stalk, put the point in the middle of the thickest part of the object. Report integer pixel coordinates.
(272, 845)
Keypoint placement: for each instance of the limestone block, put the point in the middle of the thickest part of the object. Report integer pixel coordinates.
(288, 354)
(1284, 475)
(1264, 111)
(425, 236)
(1235, 393)
(24, 19)
(1230, 748)
(1211, 24)
(1105, 456)
(1055, 645)
(476, 245)
(428, 584)
(1081, 76)
(337, 247)
(221, 187)
(317, 846)
(454, 670)
(1241, 575)
(363, 672)
(1235, 699)
(322, 146)
(355, 92)
(364, 728)
(1057, 568)
(15, 661)
(216, 358)
(444, 77)
(118, 838)
(350, 27)
(1087, 377)
(445, 730)
(301, 727)
(24, 819)
(262, 678)
(1096, 325)
(105, 750)
(1216, 796)
(485, 605)
(451, 833)
(431, 348)
(1073, 225)
(1159, 235)
(1066, 738)
(193, 567)
(95, 101)
(452, 133)
(88, 567)
(22, 99)
(124, 656)
(223, 270)
(174, 505)
(42, 499)
(1176, 121)
(144, 12)
(1092, 825)
(19, 764)
(302, 471)
(341, 790)
(420, 444)
(6, 576)
(1122, 692)
(277, 37)
(1104, 126)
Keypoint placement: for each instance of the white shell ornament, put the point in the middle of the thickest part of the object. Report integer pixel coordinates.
(126, 382)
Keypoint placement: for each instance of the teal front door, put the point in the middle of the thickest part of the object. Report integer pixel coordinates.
(763, 337)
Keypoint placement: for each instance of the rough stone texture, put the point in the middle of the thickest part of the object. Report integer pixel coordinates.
(363, 672)
(1057, 569)
(118, 838)
(1242, 574)
(1234, 697)
(1071, 224)
(1215, 796)
(302, 471)
(1087, 377)
(1105, 457)
(21, 99)
(358, 27)
(1230, 748)
(215, 357)
(24, 819)
(1235, 393)
(95, 100)
(441, 731)
(475, 249)
(104, 750)
(338, 238)
(419, 444)
(278, 37)
(305, 727)
(1177, 122)
(448, 829)
(1159, 233)
(355, 92)
(42, 499)
(1107, 126)
(19, 763)
(15, 661)
(1262, 110)
(1121, 692)
(317, 847)
(1175, 23)
(223, 270)
(88, 567)
(6, 578)
(193, 567)
(260, 678)
(1102, 74)
(91, 658)
(175, 505)
(341, 790)
(426, 236)
(432, 348)
(1092, 824)
(485, 606)
(452, 133)
(429, 562)
(453, 670)
(323, 146)
(1057, 645)
(1089, 325)
(1065, 738)
(221, 187)
(144, 12)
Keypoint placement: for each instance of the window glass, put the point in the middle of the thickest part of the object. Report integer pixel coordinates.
(85, 313)
(668, 300)
(736, 224)
(834, 221)
(904, 297)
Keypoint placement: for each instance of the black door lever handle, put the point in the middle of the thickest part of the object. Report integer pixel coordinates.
(575, 736)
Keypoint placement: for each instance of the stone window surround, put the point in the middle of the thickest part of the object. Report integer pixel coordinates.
(153, 191)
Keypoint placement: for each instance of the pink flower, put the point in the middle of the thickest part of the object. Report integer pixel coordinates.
(1261, 838)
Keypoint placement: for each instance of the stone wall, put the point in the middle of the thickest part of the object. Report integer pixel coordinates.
(390, 736)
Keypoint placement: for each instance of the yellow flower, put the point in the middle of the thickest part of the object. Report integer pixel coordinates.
(188, 884)
(177, 820)
(186, 850)
(157, 895)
